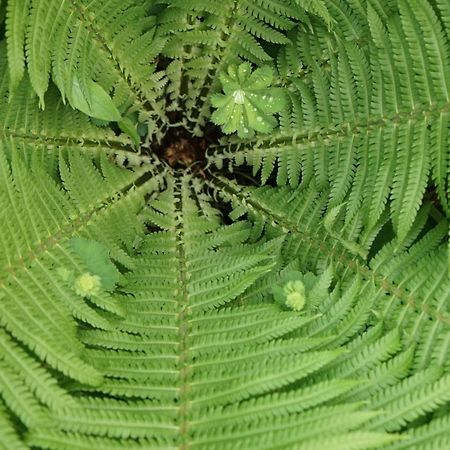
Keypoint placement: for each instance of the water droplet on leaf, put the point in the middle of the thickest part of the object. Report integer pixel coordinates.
(239, 96)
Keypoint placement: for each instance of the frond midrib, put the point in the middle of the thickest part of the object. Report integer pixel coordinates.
(337, 252)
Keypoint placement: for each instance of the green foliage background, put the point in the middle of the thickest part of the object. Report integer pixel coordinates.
(137, 305)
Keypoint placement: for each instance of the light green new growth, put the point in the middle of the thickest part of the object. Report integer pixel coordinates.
(295, 295)
(87, 285)
(249, 103)
(289, 290)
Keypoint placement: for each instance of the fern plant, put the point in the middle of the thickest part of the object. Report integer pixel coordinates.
(224, 224)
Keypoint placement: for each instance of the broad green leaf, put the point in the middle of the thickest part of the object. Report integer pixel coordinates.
(129, 128)
(248, 103)
(94, 101)
(96, 257)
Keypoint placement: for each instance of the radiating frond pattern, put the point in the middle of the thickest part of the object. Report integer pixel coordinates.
(167, 284)
(178, 368)
(204, 38)
(402, 292)
(368, 114)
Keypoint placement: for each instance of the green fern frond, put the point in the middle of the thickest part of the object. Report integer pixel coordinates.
(23, 121)
(349, 99)
(38, 224)
(223, 35)
(165, 284)
(189, 378)
(102, 49)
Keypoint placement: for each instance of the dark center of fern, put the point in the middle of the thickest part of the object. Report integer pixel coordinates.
(181, 150)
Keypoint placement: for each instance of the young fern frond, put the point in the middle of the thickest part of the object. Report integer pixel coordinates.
(228, 32)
